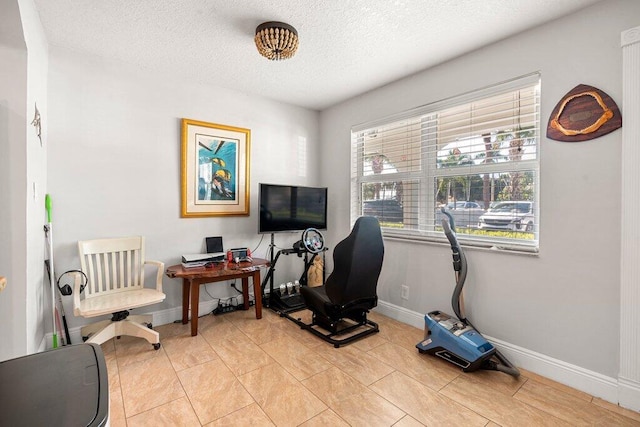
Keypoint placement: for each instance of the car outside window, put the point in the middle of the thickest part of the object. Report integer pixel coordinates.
(511, 216)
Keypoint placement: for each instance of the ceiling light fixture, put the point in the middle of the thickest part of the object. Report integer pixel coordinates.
(276, 40)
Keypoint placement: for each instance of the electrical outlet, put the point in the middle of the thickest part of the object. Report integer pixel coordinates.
(404, 293)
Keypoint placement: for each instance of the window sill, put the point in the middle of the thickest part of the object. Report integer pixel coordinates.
(498, 247)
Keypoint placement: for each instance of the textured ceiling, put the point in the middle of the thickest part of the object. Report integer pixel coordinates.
(347, 47)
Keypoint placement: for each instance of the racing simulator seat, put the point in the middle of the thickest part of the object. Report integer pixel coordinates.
(341, 305)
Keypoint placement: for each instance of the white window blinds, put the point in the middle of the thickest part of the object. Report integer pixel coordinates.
(471, 155)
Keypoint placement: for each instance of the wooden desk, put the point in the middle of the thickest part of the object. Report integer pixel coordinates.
(192, 278)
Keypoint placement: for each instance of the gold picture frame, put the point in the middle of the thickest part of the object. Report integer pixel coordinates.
(215, 169)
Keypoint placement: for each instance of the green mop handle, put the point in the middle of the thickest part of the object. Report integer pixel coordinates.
(47, 206)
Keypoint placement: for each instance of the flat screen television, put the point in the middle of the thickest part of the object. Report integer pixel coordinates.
(288, 208)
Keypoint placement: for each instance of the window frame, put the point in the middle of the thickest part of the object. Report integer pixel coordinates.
(427, 174)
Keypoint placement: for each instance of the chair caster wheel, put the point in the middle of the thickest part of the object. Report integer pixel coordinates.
(156, 346)
(150, 325)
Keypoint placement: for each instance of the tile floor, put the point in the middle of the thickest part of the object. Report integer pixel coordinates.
(240, 371)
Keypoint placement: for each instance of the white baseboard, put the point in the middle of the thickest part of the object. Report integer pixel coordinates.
(626, 393)
(590, 382)
(629, 394)
(401, 314)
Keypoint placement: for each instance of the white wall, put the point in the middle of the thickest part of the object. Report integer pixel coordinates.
(23, 76)
(563, 303)
(13, 88)
(38, 288)
(114, 161)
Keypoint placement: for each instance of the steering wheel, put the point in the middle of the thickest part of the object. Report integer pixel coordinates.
(312, 240)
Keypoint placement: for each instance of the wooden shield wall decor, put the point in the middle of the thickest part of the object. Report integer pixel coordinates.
(584, 113)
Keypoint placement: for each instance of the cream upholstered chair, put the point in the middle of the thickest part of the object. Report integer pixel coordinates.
(114, 270)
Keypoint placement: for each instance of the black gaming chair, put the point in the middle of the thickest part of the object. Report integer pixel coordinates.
(342, 304)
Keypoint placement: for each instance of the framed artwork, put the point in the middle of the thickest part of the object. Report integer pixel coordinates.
(215, 169)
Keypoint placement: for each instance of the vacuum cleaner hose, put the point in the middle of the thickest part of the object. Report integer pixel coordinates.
(461, 276)
(506, 366)
(459, 264)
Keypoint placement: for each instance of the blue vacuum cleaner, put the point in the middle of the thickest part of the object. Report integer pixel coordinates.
(455, 339)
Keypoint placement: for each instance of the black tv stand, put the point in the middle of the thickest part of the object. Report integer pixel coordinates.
(287, 303)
